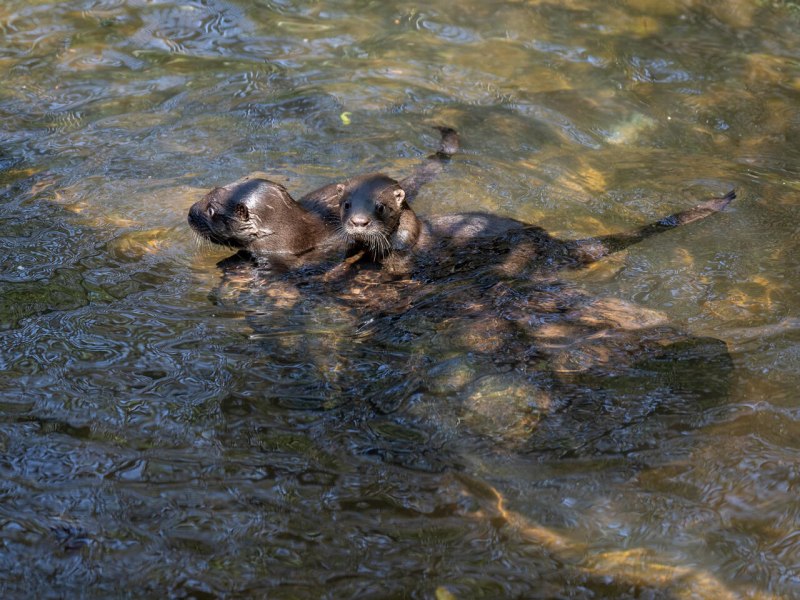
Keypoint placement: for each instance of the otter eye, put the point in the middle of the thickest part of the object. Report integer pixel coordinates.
(347, 206)
(211, 212)
(379, 208)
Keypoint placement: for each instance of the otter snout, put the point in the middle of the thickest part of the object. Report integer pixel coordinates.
(359, 221)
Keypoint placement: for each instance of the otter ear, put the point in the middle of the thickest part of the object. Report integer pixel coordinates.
(241, 212)
(339, 196)
(399, 197)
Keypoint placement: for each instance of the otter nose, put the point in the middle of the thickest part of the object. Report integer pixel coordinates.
(359, 221)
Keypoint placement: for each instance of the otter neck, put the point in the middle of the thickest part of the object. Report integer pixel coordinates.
(314, 235)
(307, 232)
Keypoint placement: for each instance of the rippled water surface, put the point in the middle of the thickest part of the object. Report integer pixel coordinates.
(169, 428)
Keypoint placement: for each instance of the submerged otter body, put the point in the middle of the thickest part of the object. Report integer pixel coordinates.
(486, 333)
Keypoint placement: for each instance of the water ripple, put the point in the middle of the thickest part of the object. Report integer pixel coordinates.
(167, 427)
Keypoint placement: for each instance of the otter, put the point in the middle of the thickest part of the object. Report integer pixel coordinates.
(376, 223)
(259, 218)
(326, 201)
(513, 236)
(375, 215)
(380, 224)
(376, 218)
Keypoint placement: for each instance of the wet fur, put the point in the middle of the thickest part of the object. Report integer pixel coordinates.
(375, 216)
(258, 215)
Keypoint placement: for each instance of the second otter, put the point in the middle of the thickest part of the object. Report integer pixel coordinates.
(380, 224)
(377, 219)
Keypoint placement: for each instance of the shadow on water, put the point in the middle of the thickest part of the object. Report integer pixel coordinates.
(488, 339)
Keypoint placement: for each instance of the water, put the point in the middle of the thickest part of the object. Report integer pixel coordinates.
(171, 430)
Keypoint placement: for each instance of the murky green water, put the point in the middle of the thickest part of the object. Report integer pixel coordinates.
(170, 430)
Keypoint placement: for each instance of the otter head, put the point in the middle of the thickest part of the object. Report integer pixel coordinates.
(255, 214)
(370, 208)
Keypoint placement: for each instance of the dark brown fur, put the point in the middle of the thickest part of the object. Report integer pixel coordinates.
(259, 216)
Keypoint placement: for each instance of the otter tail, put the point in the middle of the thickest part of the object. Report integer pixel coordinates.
(434, 163)
(449, 145)
(592, 249)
